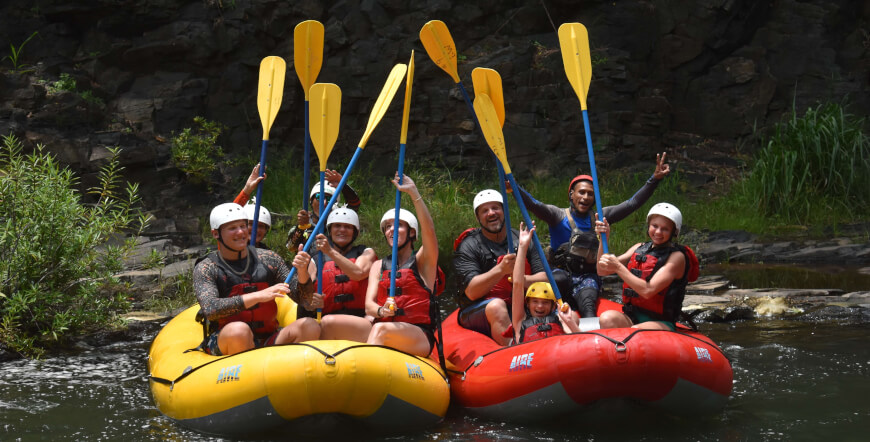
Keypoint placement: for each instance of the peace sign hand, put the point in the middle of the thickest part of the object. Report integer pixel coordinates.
(662, 167)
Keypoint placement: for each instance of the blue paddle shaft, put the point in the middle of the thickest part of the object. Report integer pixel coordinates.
(259, 193)
(306, 162)
(540, 249)
(504, 197)
(322, 221)
(594, 176)
(396, 223)
(322, 204)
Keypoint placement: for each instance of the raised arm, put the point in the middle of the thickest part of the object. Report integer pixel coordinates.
(547, 213)
(518, 294)
(620, 211)
(427, 256)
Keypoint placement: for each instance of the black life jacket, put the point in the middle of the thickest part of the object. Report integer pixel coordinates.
(579, 255)
(262, 317)
(503, 288)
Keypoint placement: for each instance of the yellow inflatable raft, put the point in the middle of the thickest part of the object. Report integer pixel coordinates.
(317, 384)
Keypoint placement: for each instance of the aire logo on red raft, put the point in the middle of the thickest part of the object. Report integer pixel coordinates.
(521, 362)
(703, 354)
(228, 374)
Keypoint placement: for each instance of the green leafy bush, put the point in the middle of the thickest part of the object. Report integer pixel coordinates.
(812, 165)
(59, 253)
(195, 150)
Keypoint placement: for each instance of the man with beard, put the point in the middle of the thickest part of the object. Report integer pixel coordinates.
(483, 263)
(573, 245)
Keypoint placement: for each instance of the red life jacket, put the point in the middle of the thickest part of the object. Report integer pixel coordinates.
(340, 293)
(533, 328)
(262, 317)
(668, 303)
(414, 301)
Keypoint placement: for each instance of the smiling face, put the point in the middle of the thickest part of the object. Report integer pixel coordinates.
(262, 230)
(582, 197)
(539, 308)
(491, 217)
(660, 229)
(403, 233)
(234, 234)
(341, 233)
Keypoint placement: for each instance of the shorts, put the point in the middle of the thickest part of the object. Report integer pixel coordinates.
(211, 343)
(638, 317)
(473, 317)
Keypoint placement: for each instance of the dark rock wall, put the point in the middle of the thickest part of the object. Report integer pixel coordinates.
(667, 74)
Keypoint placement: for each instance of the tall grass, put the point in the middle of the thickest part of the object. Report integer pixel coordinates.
(813, 166)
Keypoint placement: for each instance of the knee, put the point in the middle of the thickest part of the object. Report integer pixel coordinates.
(496, 311)
(309, 326)
(613, 319)
(378, 333)
(237, 330)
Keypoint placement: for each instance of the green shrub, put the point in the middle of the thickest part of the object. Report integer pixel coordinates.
(59, 253)
(14, 56)
(813, 166)
(64, 83)
(195, 150)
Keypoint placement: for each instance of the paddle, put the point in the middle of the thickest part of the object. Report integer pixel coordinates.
(492, 132)
(439, 45)
(403, 138)
(270, 90)
(380, 108)
(488, 81)
(307, 59)
(574, 41)
(326, 109)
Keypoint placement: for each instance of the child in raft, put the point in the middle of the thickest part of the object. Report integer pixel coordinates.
(535, 315)
(654, 274)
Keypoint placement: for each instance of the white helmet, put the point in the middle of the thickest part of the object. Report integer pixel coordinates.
(668, 211)
(225, 213)
(316, 190)
(265, 216)
(344, 215)
(487, 196)
(404, 215)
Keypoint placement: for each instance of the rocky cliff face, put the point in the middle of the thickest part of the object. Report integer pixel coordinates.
(692, 78)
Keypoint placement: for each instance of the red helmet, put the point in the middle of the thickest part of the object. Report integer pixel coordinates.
(578, 178)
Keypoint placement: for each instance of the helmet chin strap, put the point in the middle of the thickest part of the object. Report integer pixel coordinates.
(221, 241)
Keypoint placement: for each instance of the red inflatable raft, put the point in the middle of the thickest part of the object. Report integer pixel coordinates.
(683, 372)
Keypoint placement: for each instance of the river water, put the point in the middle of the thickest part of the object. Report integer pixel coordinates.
(793, 380)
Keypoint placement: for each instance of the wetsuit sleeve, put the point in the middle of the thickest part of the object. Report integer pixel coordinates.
(213, 307)
(301, 293)
(242, 198)
(466, 264)
(547, 213)
(350, 197)
(620, 211)
(275, 264)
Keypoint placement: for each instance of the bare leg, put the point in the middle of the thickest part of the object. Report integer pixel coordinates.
(352, 328)
(614, 319)
(300, 330)
(401, 336)
(497, 315)
(235, 337)
(652, 325)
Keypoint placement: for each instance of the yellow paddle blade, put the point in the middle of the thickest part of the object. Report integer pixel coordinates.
(383, 101)
(270, 90)
(308, 52)
(488, 82)
(324, 110)
(574, 41)
(439, 45)
(406, 112)
(491, 128)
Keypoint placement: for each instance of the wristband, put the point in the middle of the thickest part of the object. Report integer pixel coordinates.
(379, 312)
